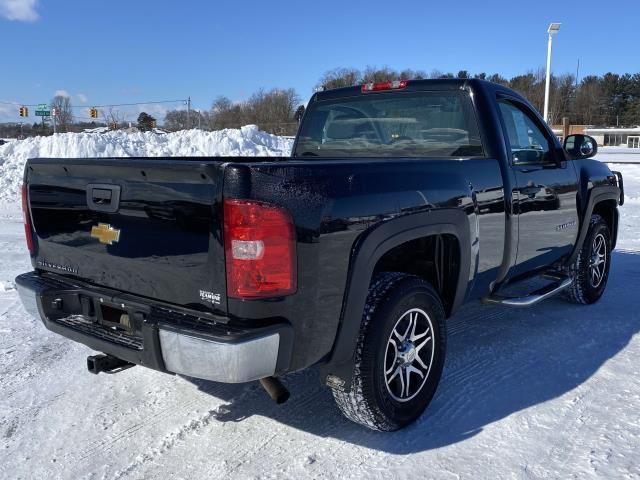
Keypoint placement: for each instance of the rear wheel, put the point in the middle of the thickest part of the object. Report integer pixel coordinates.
(590, 270)
(399, 356)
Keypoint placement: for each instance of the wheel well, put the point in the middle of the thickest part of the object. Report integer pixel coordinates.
(435, 258)
(606, 209)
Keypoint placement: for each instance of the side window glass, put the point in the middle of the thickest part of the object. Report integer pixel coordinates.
(529, 145)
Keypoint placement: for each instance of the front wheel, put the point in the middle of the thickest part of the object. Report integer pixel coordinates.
(590, 270)
(399, 356)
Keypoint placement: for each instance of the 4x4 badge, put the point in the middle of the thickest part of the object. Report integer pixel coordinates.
(105, 233)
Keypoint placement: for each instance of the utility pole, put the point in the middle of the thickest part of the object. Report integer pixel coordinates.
(188, 113)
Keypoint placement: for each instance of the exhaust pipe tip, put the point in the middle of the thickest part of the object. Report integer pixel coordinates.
(276, 390)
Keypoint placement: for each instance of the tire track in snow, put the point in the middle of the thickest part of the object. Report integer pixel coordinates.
(192, 426)
(167, 443)
(106, 444)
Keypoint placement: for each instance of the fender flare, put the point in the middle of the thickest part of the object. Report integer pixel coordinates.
(367, 250)
(595, 196)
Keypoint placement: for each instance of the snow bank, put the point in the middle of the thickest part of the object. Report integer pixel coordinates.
(247, 141)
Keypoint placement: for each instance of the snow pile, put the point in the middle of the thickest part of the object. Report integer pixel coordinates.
(246, 141)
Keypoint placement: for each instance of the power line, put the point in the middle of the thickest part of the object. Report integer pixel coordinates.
(184, 101)
(132, 104)
(16, 104)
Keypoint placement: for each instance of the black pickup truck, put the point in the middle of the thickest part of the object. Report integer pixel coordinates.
(400, 202)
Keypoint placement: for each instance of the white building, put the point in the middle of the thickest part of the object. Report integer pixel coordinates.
(614, 137)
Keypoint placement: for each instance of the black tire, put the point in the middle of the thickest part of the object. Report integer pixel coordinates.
(371, 401)
(587, 288)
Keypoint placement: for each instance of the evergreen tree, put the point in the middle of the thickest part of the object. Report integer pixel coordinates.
(146, 122)
(299, 113)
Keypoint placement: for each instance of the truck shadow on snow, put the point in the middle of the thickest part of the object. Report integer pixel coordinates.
(499, 362)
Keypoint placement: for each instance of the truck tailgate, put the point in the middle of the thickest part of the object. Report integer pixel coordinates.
(151, 227)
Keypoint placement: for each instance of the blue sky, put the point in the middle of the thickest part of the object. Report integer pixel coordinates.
(134, 51)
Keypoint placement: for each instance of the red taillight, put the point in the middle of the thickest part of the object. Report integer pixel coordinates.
(379, 86)
(27, 218)
(259, 243)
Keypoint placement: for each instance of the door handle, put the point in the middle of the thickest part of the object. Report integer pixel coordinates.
(102, 197)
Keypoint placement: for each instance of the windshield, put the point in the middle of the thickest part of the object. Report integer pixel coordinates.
(397, 124)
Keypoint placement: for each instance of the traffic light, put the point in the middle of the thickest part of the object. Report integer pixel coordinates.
(153, 124)
(93, 111)
(114, 126)
(24, 112)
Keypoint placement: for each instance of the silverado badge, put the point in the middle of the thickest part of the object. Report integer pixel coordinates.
(105, 233)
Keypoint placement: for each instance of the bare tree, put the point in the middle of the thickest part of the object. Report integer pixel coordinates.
(408, 74)
(531, 86)
(437, 74)
(348, 77)
(64, 115)
(589, 102)
(113, 116)
(340, 77)
(225, 114)
(562, 94)
(273, 111)
(375, 74)
(175, 120)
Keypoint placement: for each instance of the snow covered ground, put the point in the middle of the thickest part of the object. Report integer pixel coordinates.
(553, 392)
(619, 154)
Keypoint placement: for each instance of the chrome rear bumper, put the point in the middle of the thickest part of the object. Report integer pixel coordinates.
(219, 352)
(222, 362)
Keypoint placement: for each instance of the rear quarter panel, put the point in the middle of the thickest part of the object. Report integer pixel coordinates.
(333, 202)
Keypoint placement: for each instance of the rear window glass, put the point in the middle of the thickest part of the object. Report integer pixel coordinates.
(397, 124)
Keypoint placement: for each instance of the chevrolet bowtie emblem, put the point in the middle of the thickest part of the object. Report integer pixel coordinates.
(105, 233)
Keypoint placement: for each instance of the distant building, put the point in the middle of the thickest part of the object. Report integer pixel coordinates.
(604, 136)
(562, 130)
(614, 137)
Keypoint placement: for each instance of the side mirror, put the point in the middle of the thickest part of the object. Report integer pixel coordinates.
(580, 146)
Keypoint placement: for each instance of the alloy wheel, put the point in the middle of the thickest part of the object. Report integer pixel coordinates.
(598, 260)
(409, 355)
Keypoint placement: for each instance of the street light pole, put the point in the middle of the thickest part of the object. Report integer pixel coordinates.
(552, 30)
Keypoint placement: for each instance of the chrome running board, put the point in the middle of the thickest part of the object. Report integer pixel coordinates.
(561, 283)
